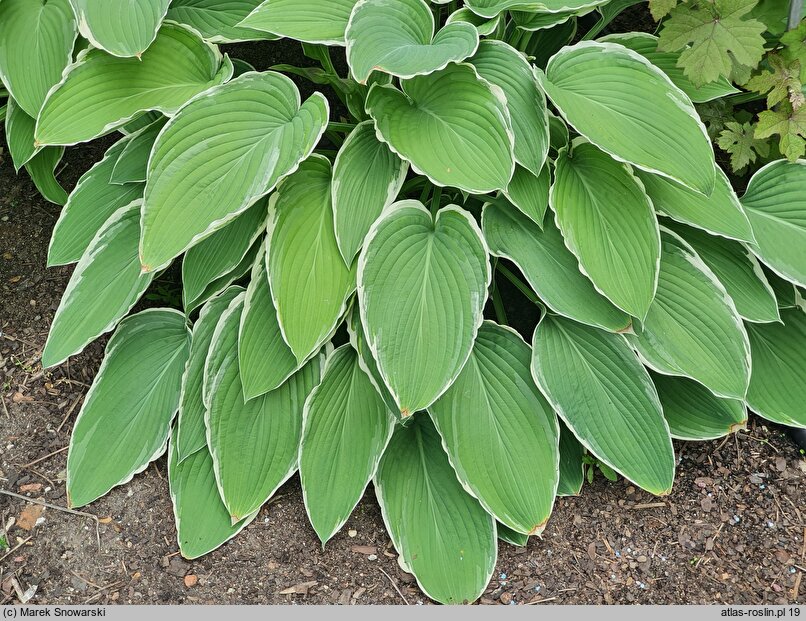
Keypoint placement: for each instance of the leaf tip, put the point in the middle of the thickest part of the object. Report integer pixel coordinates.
(538, 530)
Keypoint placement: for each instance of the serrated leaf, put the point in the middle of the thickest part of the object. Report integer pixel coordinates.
(217, 21)
(740, 141)
(346, 428)
(789, 124)
(191, 194)
(494, 409)
(100, 92)
(422, 284)
(441, 532)
(782, 82)
(572, 468)
(367, 178)
(105, 285)
(530, 193)
(549, 267)
(607, 221)
(132, 165)
(126, 417)
(121, 27)
(693, 328)
(450, 107)
(398, 37)
(603, 393)
(312, 21)
(629, 108)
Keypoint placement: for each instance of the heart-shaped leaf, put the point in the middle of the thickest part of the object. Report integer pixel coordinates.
(121, 27)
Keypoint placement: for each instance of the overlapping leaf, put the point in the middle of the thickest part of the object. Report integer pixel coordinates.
(132, 165)
(121, 27)
(491, 8)
(530, 193)
(217, 21)
(312, 21)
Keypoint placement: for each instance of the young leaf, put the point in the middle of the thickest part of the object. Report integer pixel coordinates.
(192, 193)
(787, 122)
(495, 410)
(604, 394)
(441, 532)
(217, 21)
(630, 109)
(121, 27)
(311, 21)
(345, 429)
(607, 221)
(740, 141)
(126, 417)
(310, 284)
(422, 284)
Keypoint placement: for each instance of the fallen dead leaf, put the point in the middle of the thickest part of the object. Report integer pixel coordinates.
(299, 589)
(29, 515)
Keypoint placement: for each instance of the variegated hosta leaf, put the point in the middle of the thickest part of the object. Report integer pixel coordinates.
(264, 358)
(694, 412)
(254, 444)
(202, 521)
(507, 535)
(367, 177)
(132, 165)
(608, 223)
(604, 394)
(126, 418)
(549, 267)
(629, 108)
(346, 428)
(222, 282)
(20, 135)
(422, 285)
(719, 214)
(647, 46)
(738, 270)
(507, 68)
(217, 21)
(491, 8)
(530, 193)
(397, 37)
(312, 21)
(494, 409)
(221, 252)
(105, 285)
(310, 284)
(190, 430)
(485, 26)
(693, 328)
(42, 170)
(442, 533)
(36, 44)
(102, 92)
(359, 342)
(534, 21)
(254, 132)
(572, 468)
(777, 390)
(452, 126)
(775, 202)
(121, 27)
(786, 293)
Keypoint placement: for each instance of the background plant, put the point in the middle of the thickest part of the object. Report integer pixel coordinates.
(346, 259)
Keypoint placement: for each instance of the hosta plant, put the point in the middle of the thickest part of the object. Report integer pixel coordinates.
(349, 260)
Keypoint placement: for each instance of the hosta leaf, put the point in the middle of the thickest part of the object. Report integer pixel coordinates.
(720, 214)
(359, 342)
(126, 417)
(264, 358)
(19, 135)
(777, 390)
(491, 8)
(222, 282)
(192, 192)
(312, 21)
(42, 170)
(694, 412)
(494, 409)
(604, 395)
(647, 46)
(506, 534)
(36, 44)
(217, 21)
(549, 267)
(202, 521)
(530, 193)
(346, 428)
(440, 531)
(254, 444)
(89, 205)
(397, 37)
(221, 252)
(533, 22)
(572, 468)
(486, 27)
(693, 328)
(310, 284)
(786, 293)
(121, 27)
(739, 271)
(608, 223)
(190, 430)
(132, 165)
(105, 285)
(629, 108)
(102, 92)
(422, 284)
(367, 177)
(775, 202)
(453, 108)
(507, 68)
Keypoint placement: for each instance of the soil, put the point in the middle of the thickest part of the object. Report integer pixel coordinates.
(732, 531)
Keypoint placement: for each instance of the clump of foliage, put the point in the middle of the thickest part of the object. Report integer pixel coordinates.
(343, 256)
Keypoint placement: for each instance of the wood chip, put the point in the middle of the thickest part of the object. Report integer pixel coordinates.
(29, 515)
(191, 581)
(299, 589)
(30, 487)
(364, 549)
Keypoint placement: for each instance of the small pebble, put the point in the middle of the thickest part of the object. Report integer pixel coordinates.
(191, 580)
(352, 533)
(373, 557)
